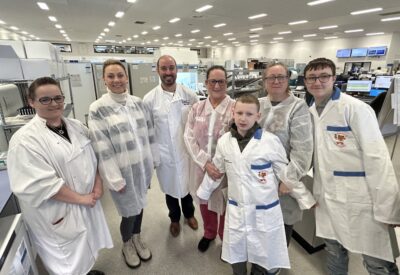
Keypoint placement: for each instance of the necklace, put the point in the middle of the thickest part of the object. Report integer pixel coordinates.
(59, 129)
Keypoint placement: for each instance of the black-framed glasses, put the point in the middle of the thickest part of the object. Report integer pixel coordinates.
(280, 78)
(46, 100)
(322, 78)
(214, 82)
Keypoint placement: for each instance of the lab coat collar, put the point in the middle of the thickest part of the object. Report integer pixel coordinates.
(221, 108)
(336, 93)
(287, 101)
(177, 95)
(115, 105)
(335, 96)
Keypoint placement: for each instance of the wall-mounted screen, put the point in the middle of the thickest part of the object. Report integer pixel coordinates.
(362, 86)
(359, 52)
(377, 51)
(343, 53)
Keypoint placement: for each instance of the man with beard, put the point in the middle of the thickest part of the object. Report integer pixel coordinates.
(169, 104)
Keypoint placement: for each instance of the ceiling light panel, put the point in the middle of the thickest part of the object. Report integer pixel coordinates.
(219, 25)
(256, 16)
(298, 22)
(52, 19)
(355, 30)
(174, 20)
(390, 19)
(204, 8)
(328, 27)
(365, 11)
(319, 2)
(43, 6)
(374, 33)
(256, 29)
(119, 14)
(284, 32)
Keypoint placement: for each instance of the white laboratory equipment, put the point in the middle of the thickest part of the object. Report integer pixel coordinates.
(16, 251)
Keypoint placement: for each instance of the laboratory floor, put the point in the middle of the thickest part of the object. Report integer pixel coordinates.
(180, 255)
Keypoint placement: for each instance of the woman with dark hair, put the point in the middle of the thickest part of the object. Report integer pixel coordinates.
(53, 172)
(207, 121)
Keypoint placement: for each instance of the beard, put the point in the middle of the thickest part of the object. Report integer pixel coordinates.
(168, 80)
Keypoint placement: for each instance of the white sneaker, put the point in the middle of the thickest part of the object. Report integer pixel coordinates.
(130, 255)
(142, 250)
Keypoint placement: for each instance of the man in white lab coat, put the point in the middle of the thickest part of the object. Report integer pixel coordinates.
(53, 172)
(169, 104)
(355, 186)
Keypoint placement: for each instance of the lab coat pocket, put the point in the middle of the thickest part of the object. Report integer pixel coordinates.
(268, 217)
(353, 186)
(235, 216)
(340, 138)
(263, 172)
(68, 228)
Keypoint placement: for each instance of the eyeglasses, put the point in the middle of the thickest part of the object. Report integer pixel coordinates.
(214, 82)
(280, 78)
(46, 100)
(322, 78)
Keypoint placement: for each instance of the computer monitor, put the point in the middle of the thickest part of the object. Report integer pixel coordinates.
(300, 80)
(359, 52)
(343, 53)
(377, 51)
(383, 81)
(188, 79)
(359, 86)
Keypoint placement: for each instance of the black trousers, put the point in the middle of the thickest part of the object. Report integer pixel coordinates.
(130, 225)
(175, 210)
(288, 233)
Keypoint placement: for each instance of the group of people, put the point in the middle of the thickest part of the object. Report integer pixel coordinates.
(242, 161)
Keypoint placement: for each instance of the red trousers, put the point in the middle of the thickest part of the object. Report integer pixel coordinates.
(210, 221)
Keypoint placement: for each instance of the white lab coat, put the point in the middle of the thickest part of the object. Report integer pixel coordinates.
(354, 181)
(39, 163)
(169, 113)
(254, 229)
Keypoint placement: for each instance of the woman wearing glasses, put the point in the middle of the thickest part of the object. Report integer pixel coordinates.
(207, 121)
(288, 117)
(53, 172)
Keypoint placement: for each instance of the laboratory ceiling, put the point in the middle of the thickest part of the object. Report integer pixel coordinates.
(147, 21)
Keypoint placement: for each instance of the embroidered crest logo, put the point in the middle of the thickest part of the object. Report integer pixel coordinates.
(339, 139)
(262, 176)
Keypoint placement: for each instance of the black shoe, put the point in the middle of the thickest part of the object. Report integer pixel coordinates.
(96, 272)
(204, 244)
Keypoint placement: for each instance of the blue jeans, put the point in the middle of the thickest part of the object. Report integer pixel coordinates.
(338, 261)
